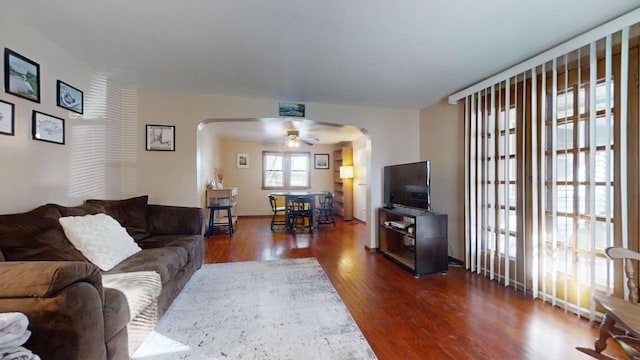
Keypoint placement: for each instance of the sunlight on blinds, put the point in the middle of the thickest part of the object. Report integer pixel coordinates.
(103, 143)
(87, 171)
(547, 170)
(128, 147)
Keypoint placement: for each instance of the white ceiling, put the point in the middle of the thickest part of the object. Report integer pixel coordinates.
(380, 53)
(401, 53)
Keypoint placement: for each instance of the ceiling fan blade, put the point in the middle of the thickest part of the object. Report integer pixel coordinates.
(306, 141)
(277, 140)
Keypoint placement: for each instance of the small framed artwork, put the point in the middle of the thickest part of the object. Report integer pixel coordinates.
(47, 128)
(69, 97)
(161, 138)
(7, 118)
(21, 76)
(321, 161)
(291, 109)
(242, 161)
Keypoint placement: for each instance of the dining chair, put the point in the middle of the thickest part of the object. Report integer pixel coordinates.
(279, 213)
(301, 212)
(324, 212)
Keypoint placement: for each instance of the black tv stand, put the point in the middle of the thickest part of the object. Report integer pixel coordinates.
(420, 248)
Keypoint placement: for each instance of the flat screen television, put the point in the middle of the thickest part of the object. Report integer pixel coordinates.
(408, 185)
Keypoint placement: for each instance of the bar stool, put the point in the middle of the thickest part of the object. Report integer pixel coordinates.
(212, 219)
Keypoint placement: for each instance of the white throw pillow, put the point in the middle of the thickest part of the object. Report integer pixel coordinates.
(100, 238)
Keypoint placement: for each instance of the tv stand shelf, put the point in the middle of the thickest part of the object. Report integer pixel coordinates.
(422, 251)
(403, 256)
(402, 231)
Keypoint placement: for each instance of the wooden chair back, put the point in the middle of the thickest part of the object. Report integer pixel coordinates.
(618, 253)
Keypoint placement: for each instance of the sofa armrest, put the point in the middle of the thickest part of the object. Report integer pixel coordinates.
(64, 302)
(21, 279)
(174, 220)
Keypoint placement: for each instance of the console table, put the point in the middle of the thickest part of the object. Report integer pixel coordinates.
(222, 201)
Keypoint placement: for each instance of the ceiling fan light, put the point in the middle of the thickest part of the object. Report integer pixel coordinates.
(293, 138)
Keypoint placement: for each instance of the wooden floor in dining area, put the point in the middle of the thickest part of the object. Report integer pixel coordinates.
(459, 315)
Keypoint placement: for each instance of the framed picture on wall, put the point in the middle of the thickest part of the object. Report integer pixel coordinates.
(21, 76)
(291, 109)
(7, 118)
(242, 161)
(161, 138)
(321, 161)
(47, 128)
(69, 97)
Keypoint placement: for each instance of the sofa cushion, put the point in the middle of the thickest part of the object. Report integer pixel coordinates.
(191, 243)
(166, 261)
(100, 238)
(36, 235)
(80, 210)
(171, 220)
(130, 213)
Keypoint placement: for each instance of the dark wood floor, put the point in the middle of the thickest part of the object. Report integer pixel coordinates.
(459, 315)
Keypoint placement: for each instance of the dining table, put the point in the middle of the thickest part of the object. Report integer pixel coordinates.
(291, 195)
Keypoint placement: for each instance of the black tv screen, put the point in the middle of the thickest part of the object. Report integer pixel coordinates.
(408, 185)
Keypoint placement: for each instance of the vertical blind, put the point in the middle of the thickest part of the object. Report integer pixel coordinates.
(551, 162)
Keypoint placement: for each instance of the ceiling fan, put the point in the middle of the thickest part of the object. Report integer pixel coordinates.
(294, 139)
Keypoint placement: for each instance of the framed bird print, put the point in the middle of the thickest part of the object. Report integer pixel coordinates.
(69, 97)
(21, 76)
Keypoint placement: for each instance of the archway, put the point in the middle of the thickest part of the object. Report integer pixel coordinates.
(210, 155)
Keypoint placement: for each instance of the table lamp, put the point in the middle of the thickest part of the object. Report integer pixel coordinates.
(346, 172)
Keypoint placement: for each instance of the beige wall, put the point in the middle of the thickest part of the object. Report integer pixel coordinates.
(105, 158)
(208, 156)
(172, 177)
(360, 179)
(252, 199)
(97, 157)
(442, 142)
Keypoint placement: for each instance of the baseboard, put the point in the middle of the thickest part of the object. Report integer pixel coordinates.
(370, 249)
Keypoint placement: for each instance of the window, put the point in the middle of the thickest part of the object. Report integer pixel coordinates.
(552, 173)
(573, 183)
(286, 170)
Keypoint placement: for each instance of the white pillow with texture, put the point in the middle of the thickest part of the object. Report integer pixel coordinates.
(100, 238)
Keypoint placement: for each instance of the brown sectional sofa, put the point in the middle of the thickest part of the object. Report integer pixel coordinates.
(71, 314)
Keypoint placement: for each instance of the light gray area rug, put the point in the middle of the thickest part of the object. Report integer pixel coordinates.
(283, 309)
